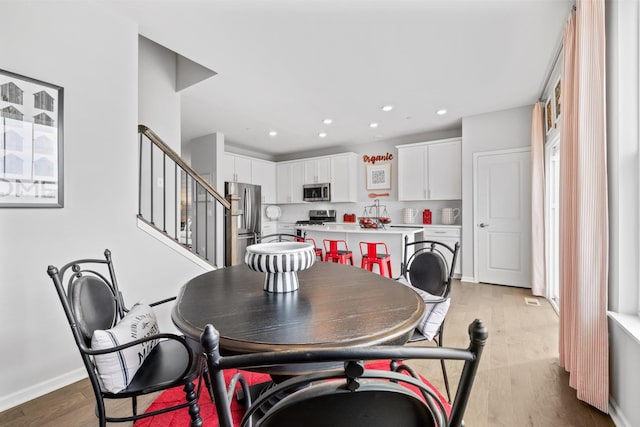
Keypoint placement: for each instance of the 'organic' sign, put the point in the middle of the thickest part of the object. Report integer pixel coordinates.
(377, 158)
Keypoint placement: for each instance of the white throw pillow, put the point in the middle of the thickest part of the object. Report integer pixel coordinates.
(117, 369)
(434, 312)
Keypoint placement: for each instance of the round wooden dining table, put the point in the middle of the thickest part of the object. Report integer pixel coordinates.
(335, 305)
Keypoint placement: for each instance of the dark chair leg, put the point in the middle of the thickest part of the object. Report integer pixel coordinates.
(207, 381)
(100, 412)
(194, 408)
(134, 406)
(439, 340)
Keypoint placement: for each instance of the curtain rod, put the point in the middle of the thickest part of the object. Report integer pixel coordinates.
(553, 66)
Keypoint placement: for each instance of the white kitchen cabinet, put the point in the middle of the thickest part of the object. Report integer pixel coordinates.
(236, 168)
(412, 184)
(317, 170)
(289, 179)
(344, 178)
(269, 227)
(263, 173)
(430, 170)
(444, 168)
(449, 236)
(286, 227)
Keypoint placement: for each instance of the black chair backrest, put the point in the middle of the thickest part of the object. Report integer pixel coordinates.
(351, 395)
(376, 404)
(427, 267)
(91, 299)
(280, 237)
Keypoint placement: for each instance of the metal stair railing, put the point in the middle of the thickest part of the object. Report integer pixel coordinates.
(178, 202)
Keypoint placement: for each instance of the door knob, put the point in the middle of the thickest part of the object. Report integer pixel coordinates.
(483, 225)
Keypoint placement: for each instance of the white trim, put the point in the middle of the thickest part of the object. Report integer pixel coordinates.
(469, 279)
(549, 145)
(32, 392)
(174, 245)
(476, 156)
(435, 141)
(616, 414)
(630, 323)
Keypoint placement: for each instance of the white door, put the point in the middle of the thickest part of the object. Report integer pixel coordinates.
(503, 218)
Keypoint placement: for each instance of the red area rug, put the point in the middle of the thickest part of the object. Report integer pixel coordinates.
(208, 409)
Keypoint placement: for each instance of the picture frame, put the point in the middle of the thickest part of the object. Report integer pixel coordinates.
(31, 143)
(379, 177)
(548, 114)
(557, 89)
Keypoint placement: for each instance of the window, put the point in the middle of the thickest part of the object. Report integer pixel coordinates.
(552, 194)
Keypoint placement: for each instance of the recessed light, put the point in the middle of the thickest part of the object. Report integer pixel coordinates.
(387, 108)
(273, 133)
(322, 135)
(441, 112)
(373, 125)
(327, 121)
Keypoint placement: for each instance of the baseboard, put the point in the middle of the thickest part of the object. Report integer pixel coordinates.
(21, 396)
(468, 279)
(616, 415)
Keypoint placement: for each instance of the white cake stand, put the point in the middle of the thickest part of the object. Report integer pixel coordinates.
(280, 261)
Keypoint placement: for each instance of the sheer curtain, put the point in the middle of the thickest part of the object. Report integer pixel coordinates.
(538, 271)
(584, 343)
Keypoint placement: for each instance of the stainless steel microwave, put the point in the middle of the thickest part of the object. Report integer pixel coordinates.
(316, 192)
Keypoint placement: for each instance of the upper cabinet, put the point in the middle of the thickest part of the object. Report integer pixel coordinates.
(430, 170)
(340, 170)
(344, 179)
(263, 173)
(239, 168)
(236, 168)
(289, 180)
(317, 170)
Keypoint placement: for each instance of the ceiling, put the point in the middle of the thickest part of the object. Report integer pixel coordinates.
(288, 65)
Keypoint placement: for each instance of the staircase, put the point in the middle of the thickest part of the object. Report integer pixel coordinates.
(181, 205)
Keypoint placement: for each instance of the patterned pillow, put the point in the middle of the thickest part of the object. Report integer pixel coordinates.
(117, 369)
(435, 312)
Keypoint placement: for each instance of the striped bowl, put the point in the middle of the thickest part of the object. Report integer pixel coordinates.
(280, 261)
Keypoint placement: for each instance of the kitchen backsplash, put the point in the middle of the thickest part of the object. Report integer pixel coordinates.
(295, 212)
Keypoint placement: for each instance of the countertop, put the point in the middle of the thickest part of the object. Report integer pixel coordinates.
(355, 228)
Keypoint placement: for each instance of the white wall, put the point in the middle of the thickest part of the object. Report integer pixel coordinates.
(487, 132)
(207, 156)
(623, 19)
(94, 56)
(159, 102)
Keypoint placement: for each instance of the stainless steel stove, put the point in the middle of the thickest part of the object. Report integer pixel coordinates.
(319, 217)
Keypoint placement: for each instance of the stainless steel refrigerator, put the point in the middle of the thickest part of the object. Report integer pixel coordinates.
(249, 216)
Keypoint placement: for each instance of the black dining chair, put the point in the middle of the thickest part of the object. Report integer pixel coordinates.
(347, 392)
(123, 351)
(425, 267)
(280, 237)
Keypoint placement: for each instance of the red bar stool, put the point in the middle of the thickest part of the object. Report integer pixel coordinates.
(372, 256)
(318, 250)
(334, 253)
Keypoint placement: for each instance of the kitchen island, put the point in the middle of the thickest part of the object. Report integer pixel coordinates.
(353, 234)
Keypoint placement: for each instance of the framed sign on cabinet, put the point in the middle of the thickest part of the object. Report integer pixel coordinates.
(31, 143)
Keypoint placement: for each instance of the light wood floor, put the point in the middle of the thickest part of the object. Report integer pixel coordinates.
(519, 382)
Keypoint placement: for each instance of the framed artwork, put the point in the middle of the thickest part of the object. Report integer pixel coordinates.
(31, 143)
(548, 114)
(556, 97)
(379, 177)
